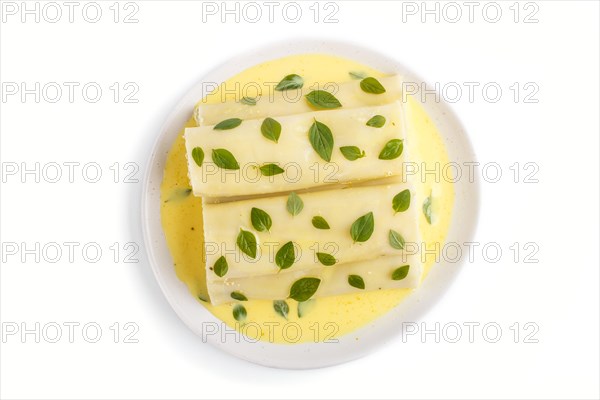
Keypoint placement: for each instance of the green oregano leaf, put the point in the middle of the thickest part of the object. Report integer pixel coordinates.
(239, 312)
(221, 267)
(401, 201)
(352, 152)
(249, 101)
(320, 223)
(356, 281)
(281, 307)
(285, 256)
(326, 259)
(228, 124)
(322, 99)
(224, 159)
(198, 155)
(396, 240)
(271, 129)
(246, 241)
(357, 75)
(377, 121)
(294, 204)
(321, 140)
(261, 221)
(391, 150)
(371, 85)
(400, 273)
(291, 81)
(304, 288)
(271, 169)
(238, 296)
(427, 209)
(362, 229)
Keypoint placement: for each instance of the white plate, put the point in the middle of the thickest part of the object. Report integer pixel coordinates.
(305, 355)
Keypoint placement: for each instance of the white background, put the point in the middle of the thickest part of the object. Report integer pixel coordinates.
(168, 51)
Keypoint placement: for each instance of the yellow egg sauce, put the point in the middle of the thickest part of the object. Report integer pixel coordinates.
(323, 318)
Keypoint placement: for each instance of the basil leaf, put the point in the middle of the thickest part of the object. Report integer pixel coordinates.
(326, 259)
(322, 99)
(249, 101)
(238, 296)
(362, 229)
(371, 85)
(271, 169)
(281, 308)
(401, 201)
(305, 306)
(391, 150)
(321, 140)
(285, 256)
(239, 312)
(352, 152)
(303, 289)
(357, 75)
(320, 223)
(261, 221)
(246, 241)
(400, 273)
(291, 81)
(377, 121)
(228, 124)
(427, 209)
(271, 129)
(198, 155)
(220, 268)
(356, 281)
(224, 159)
(396, 240)
(294, 204)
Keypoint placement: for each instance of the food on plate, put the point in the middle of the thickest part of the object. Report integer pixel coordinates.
(305, 202)
(309, 150)
(290, 99)
(260, 246)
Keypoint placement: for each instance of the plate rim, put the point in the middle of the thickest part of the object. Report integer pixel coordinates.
(298, 356)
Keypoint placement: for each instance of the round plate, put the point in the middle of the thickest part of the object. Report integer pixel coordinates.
(378, 332)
